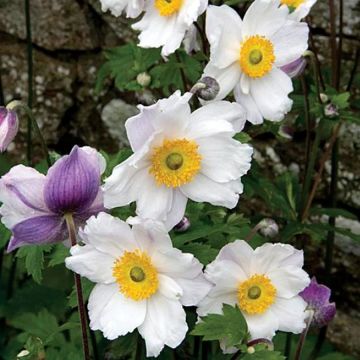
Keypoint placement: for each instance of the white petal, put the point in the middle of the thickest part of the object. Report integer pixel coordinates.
(210, 119)
(91, 263)
(288, 280)
(108, 234)
(290, 313)
(302, 10)
(133, 8)
(262, 325)
(203, 189)
(223, 158)
(165, 324)
(253, 113)
(21, 192)
(223, 30)
(290, 42)
(214, 304)
(245, 84)
(239, 252)
(270, 94)
(112, 313)
(169, 287)
(177, 210)
(264, 18)
(227, 77)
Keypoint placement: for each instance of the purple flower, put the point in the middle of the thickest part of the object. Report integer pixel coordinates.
(317, 296)
(295, 68)
(9, 125)
(34, 205)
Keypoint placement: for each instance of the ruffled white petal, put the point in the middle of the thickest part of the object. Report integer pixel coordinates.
(91, 263)
(112, 313)
(203, 189)
(214, 304)
(291, 314)
(108, 235)
(290, 42)
(165, 324)
(224, 159)
(223, 30)
(262, 325)
(302, 10)
(194, 289)
(132, 8)
(22, 195)
(169, 287)
(177, 210)
(264, 18)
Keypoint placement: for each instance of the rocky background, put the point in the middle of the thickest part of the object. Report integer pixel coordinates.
(68, 39)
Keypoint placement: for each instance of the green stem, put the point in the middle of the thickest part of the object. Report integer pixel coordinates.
(18, 104)
(303, 337)
(80, 298)
(30, 78)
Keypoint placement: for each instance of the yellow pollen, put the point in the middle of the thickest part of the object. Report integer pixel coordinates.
(256, 56)
(292, 3)
(175, 162)
(256, 294)
(168, 7)
(136, 276)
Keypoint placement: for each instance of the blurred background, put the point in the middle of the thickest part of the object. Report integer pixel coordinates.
(69, 37)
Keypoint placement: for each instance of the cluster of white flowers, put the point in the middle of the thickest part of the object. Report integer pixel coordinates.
(142, 281)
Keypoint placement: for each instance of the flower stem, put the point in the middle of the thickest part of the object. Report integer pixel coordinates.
(30, 78)
(303, 335)
(18, 104)
(81, 307)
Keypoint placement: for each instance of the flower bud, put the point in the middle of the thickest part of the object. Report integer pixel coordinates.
(266, 342)
(206, 89)
(295, 68)
(183, 225)
(286, 132)
(143, 79)
(324, 98)
(269, 228)
(23, 353)
(331, 110)
(9, 125)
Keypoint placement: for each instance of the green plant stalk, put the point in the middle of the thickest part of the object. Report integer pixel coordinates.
(30, 79)
(80, 298)
(18, 104)
(303, 335)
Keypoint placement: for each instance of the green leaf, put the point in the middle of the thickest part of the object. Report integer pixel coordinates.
(87, 287)
(203, 252)
(4, 235)
(341, 100)
(58, 255)
(34, 259)
(242, 137)
(264, 355)
(230, 327)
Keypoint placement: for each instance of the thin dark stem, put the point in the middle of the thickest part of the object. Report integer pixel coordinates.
(81, 306)
(183, 78)
(333, 45)
(30, 78)
(317, 61)
(302, 339)
(2, 98)
(354, 69)
(307, 119)
(340, 44)
(203, 38)
(288, 343)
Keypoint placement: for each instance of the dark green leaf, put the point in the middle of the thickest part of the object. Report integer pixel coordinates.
(203, 252)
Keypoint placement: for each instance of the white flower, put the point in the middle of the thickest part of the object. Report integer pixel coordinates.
(132, 8)
(141, 280)
(246, 56)
(180, 155)
(264, 283)
(165, 23)
(298, 8)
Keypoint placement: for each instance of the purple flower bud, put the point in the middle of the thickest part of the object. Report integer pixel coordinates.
(295, 68)
(269, 228)
(9, 125)
(331, 110)
(207, 88)
(317, 296)
(183, 225)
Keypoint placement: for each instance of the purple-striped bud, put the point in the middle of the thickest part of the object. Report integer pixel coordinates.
(295, 68)
(317, 297)
(9, 125)
(183, 225)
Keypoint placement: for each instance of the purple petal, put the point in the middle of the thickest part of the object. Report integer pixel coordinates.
(95, 208)
(73, 181)
(316, 295)
(295, 68)
(38, 230)
(9, 125)
(324, 314)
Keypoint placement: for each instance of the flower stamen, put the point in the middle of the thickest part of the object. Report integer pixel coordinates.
(168, 7)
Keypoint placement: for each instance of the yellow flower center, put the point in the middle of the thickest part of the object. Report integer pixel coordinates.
(168, 7)
(256, 56)
(136, 275)
(256, 294)
(175, 162)
(292, 3)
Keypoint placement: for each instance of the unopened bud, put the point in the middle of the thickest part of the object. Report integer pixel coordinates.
(206, 89)
(143, 79)
(269, 228)
(295, 68)
(9, 126)
(250, 350)
(183, 225)
(331, 110)
(324, 98)
(23, 353)
(268, 344)
(286, 132)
